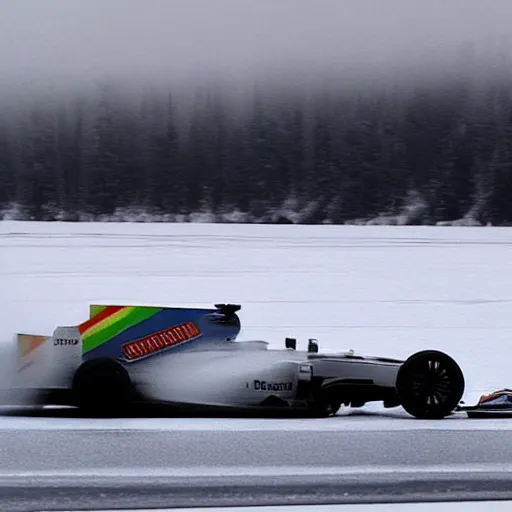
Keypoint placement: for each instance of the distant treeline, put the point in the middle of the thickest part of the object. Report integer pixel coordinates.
(432, 151)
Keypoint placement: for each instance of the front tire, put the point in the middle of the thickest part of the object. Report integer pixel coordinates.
(430, 385)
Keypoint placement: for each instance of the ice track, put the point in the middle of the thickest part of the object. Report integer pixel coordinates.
(66, 464)
(384, 291)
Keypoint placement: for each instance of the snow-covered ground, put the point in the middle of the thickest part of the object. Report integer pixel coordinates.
(378, 290)
(463, 506)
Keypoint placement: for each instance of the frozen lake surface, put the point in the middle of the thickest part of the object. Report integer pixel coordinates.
(378, 290)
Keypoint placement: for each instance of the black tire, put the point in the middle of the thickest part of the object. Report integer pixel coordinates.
(323, 409)
(102, 387)
(325, 402)
(430, 385)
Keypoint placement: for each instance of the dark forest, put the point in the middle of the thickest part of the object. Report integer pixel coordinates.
(420, 148)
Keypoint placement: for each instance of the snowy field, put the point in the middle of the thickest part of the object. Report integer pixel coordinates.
(475, 506)
(378, 290)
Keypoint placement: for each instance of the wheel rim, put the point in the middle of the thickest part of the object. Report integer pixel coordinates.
(431, 383)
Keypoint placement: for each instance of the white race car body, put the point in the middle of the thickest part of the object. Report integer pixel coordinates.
(189, 357)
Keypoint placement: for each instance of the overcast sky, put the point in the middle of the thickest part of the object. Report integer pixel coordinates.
(86, 38)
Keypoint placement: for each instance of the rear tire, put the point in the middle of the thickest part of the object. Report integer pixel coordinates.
(430, 385)
(102, 387)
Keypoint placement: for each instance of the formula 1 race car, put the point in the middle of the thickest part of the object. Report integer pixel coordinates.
(122, 356)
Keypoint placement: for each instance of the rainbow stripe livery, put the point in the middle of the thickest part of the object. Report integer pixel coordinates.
(106, 322)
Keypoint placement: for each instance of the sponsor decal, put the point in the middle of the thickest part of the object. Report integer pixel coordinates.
(65, 341)
(263, 385)
(158, 341)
